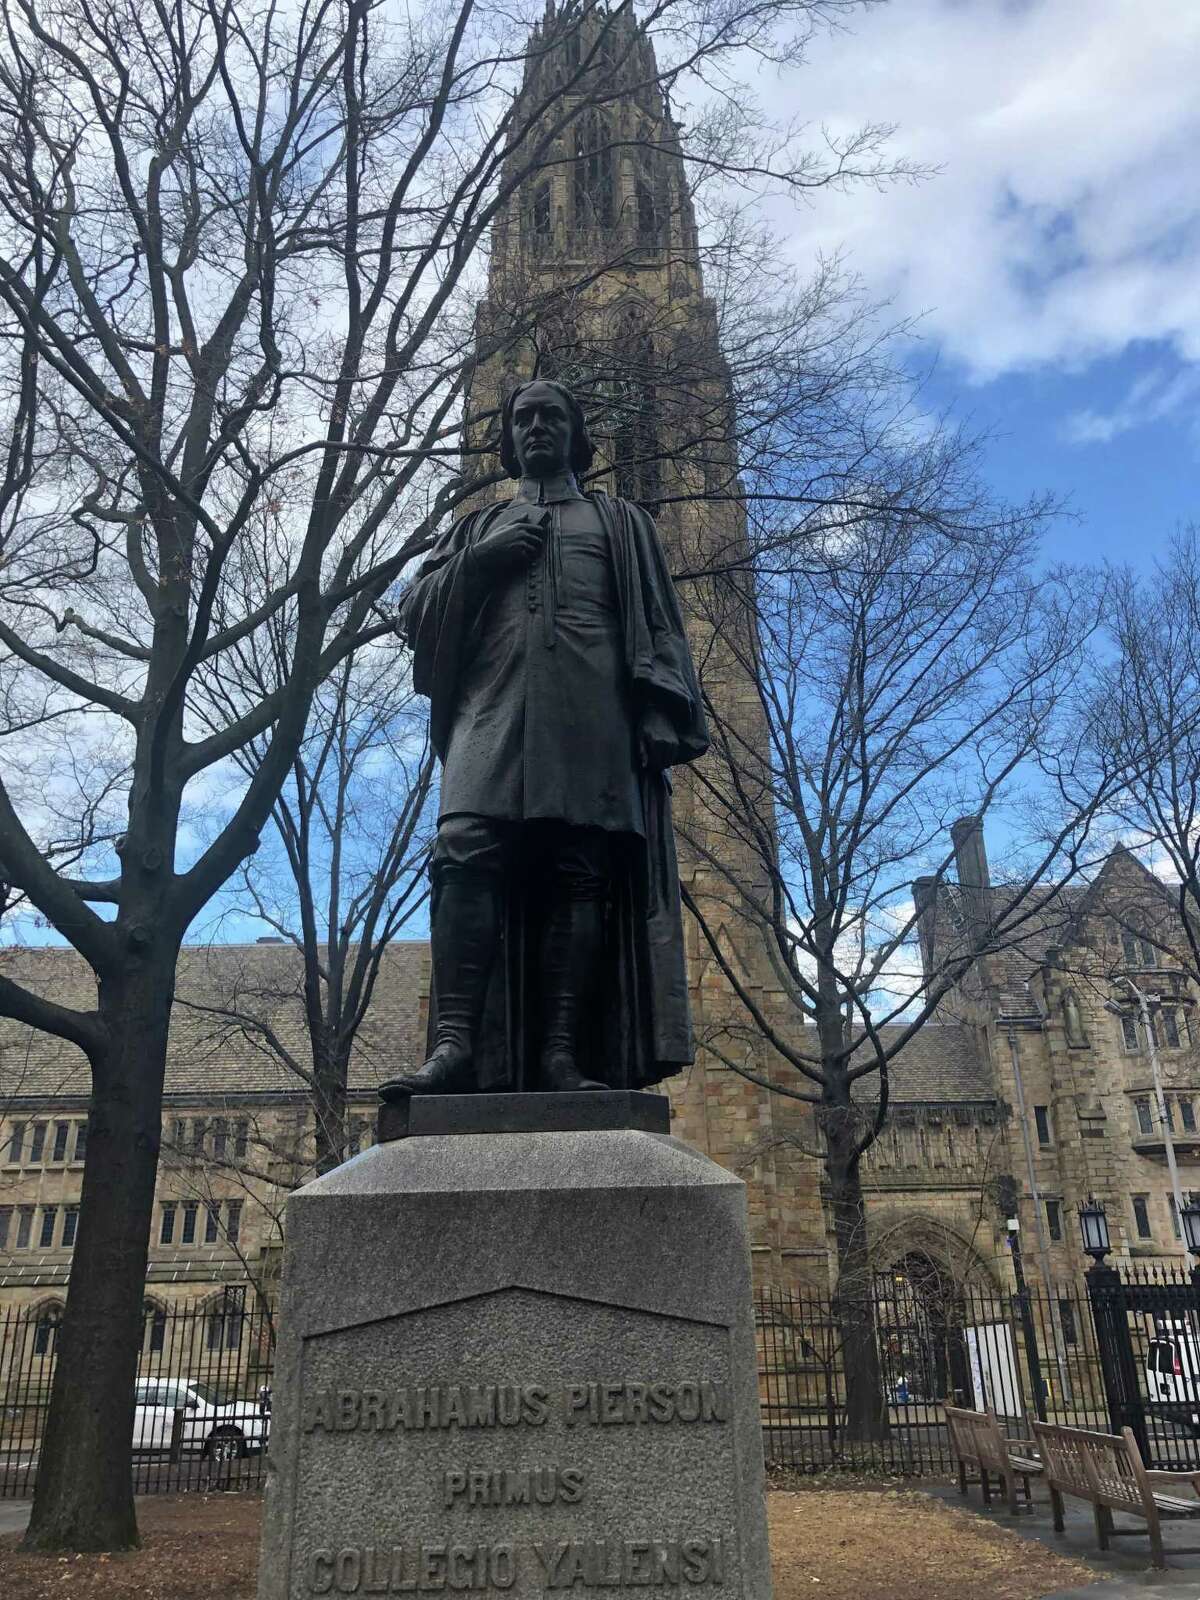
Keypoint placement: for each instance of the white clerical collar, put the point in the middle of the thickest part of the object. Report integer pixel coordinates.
(559, 486)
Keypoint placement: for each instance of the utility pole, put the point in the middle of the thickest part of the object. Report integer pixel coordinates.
(1030, 1165)
(1008, 1194)
(1039, 1227)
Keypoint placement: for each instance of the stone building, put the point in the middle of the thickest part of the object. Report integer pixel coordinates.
(1050, 1025)
(1039, 1070)
(237, 1132)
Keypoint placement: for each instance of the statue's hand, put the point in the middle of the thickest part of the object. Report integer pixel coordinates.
(657, 742)
(513, 544)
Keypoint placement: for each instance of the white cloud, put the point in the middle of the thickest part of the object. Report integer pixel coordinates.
(1153, 397)
(1065, 223)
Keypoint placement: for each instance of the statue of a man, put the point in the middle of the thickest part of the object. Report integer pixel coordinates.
(547, 635)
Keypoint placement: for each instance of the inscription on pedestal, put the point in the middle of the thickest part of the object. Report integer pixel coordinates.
(420, 1472)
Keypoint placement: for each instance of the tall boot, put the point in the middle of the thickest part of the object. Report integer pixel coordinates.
(572, 942)
(464, 939)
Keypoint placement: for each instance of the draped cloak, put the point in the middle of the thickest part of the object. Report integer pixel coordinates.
(640, 1030)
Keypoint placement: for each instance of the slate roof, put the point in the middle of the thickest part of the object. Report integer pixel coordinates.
(1032, 930)
(208, 1057)
(941, 1062)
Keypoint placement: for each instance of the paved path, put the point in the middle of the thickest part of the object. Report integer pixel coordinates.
(1126, 1569)
(14, 1514)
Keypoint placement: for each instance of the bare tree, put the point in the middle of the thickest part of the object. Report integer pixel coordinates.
(908, 675)
(238, 286)
(1143, 707)
(352, 830)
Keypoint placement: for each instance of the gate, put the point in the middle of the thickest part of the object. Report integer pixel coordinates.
(1148, 1338)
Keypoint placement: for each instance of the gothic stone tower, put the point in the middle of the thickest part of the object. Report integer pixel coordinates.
(595, 280)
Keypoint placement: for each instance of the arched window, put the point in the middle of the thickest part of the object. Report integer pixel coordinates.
(557, 350)
(45, 1329)
(541, 214)
(647, 213)
(225, 1318)
(155, 1334)
(593, 173)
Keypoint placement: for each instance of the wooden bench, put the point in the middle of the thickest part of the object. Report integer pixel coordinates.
(977, 1441)
(1107, 1470)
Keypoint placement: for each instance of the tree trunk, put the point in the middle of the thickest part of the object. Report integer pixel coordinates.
(84, 1495)
(854, 1301)
(329, 1109)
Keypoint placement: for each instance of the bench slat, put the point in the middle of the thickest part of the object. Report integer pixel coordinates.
(1176, 1506)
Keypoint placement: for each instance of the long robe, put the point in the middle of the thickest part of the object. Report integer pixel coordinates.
(641, 1029)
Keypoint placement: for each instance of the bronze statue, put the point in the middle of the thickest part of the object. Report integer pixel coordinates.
(547, 635)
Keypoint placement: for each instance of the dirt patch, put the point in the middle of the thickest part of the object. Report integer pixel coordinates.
(194, 1547)
(890, 1544)
(835, 1544)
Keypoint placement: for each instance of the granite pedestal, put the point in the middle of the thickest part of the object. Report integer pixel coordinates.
(517, 1361)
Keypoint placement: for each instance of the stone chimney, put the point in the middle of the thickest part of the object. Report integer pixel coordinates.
(925, 900)
(970, 859)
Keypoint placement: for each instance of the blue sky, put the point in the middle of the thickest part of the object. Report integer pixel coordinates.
(1053, 261)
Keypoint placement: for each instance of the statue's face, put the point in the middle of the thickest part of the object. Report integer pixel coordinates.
(541, 431)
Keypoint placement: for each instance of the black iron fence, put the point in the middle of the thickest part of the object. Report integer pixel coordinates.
(1107, 1351)
(1104, 1352)
(201, 1399)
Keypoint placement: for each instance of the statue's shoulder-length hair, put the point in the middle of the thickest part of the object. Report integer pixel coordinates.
(581, 444)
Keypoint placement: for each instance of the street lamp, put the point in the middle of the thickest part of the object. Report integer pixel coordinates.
(1093, 1223)
(1189, 1218)
(1189, 1221)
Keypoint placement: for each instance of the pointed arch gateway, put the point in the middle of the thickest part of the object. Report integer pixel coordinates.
(934, 1292)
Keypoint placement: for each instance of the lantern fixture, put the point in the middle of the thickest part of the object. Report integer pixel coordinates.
(1189, 1217)
(1093, 1224)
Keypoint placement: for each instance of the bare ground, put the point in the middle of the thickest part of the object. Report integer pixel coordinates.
(836, 1544)
(897, 1544)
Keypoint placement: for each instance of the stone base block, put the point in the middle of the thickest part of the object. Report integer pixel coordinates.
(521, 1363)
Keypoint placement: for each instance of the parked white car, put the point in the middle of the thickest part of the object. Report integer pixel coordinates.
(218, 1427)
(1173, 1371)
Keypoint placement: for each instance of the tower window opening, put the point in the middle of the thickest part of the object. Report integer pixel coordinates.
(541, 211)
(558, 350)
(593, 173)
(647, 213)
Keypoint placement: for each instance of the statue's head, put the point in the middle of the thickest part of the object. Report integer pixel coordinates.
(543, 432)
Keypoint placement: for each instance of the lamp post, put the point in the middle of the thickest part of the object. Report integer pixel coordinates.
(1114, 1347)
(1007, 1194)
